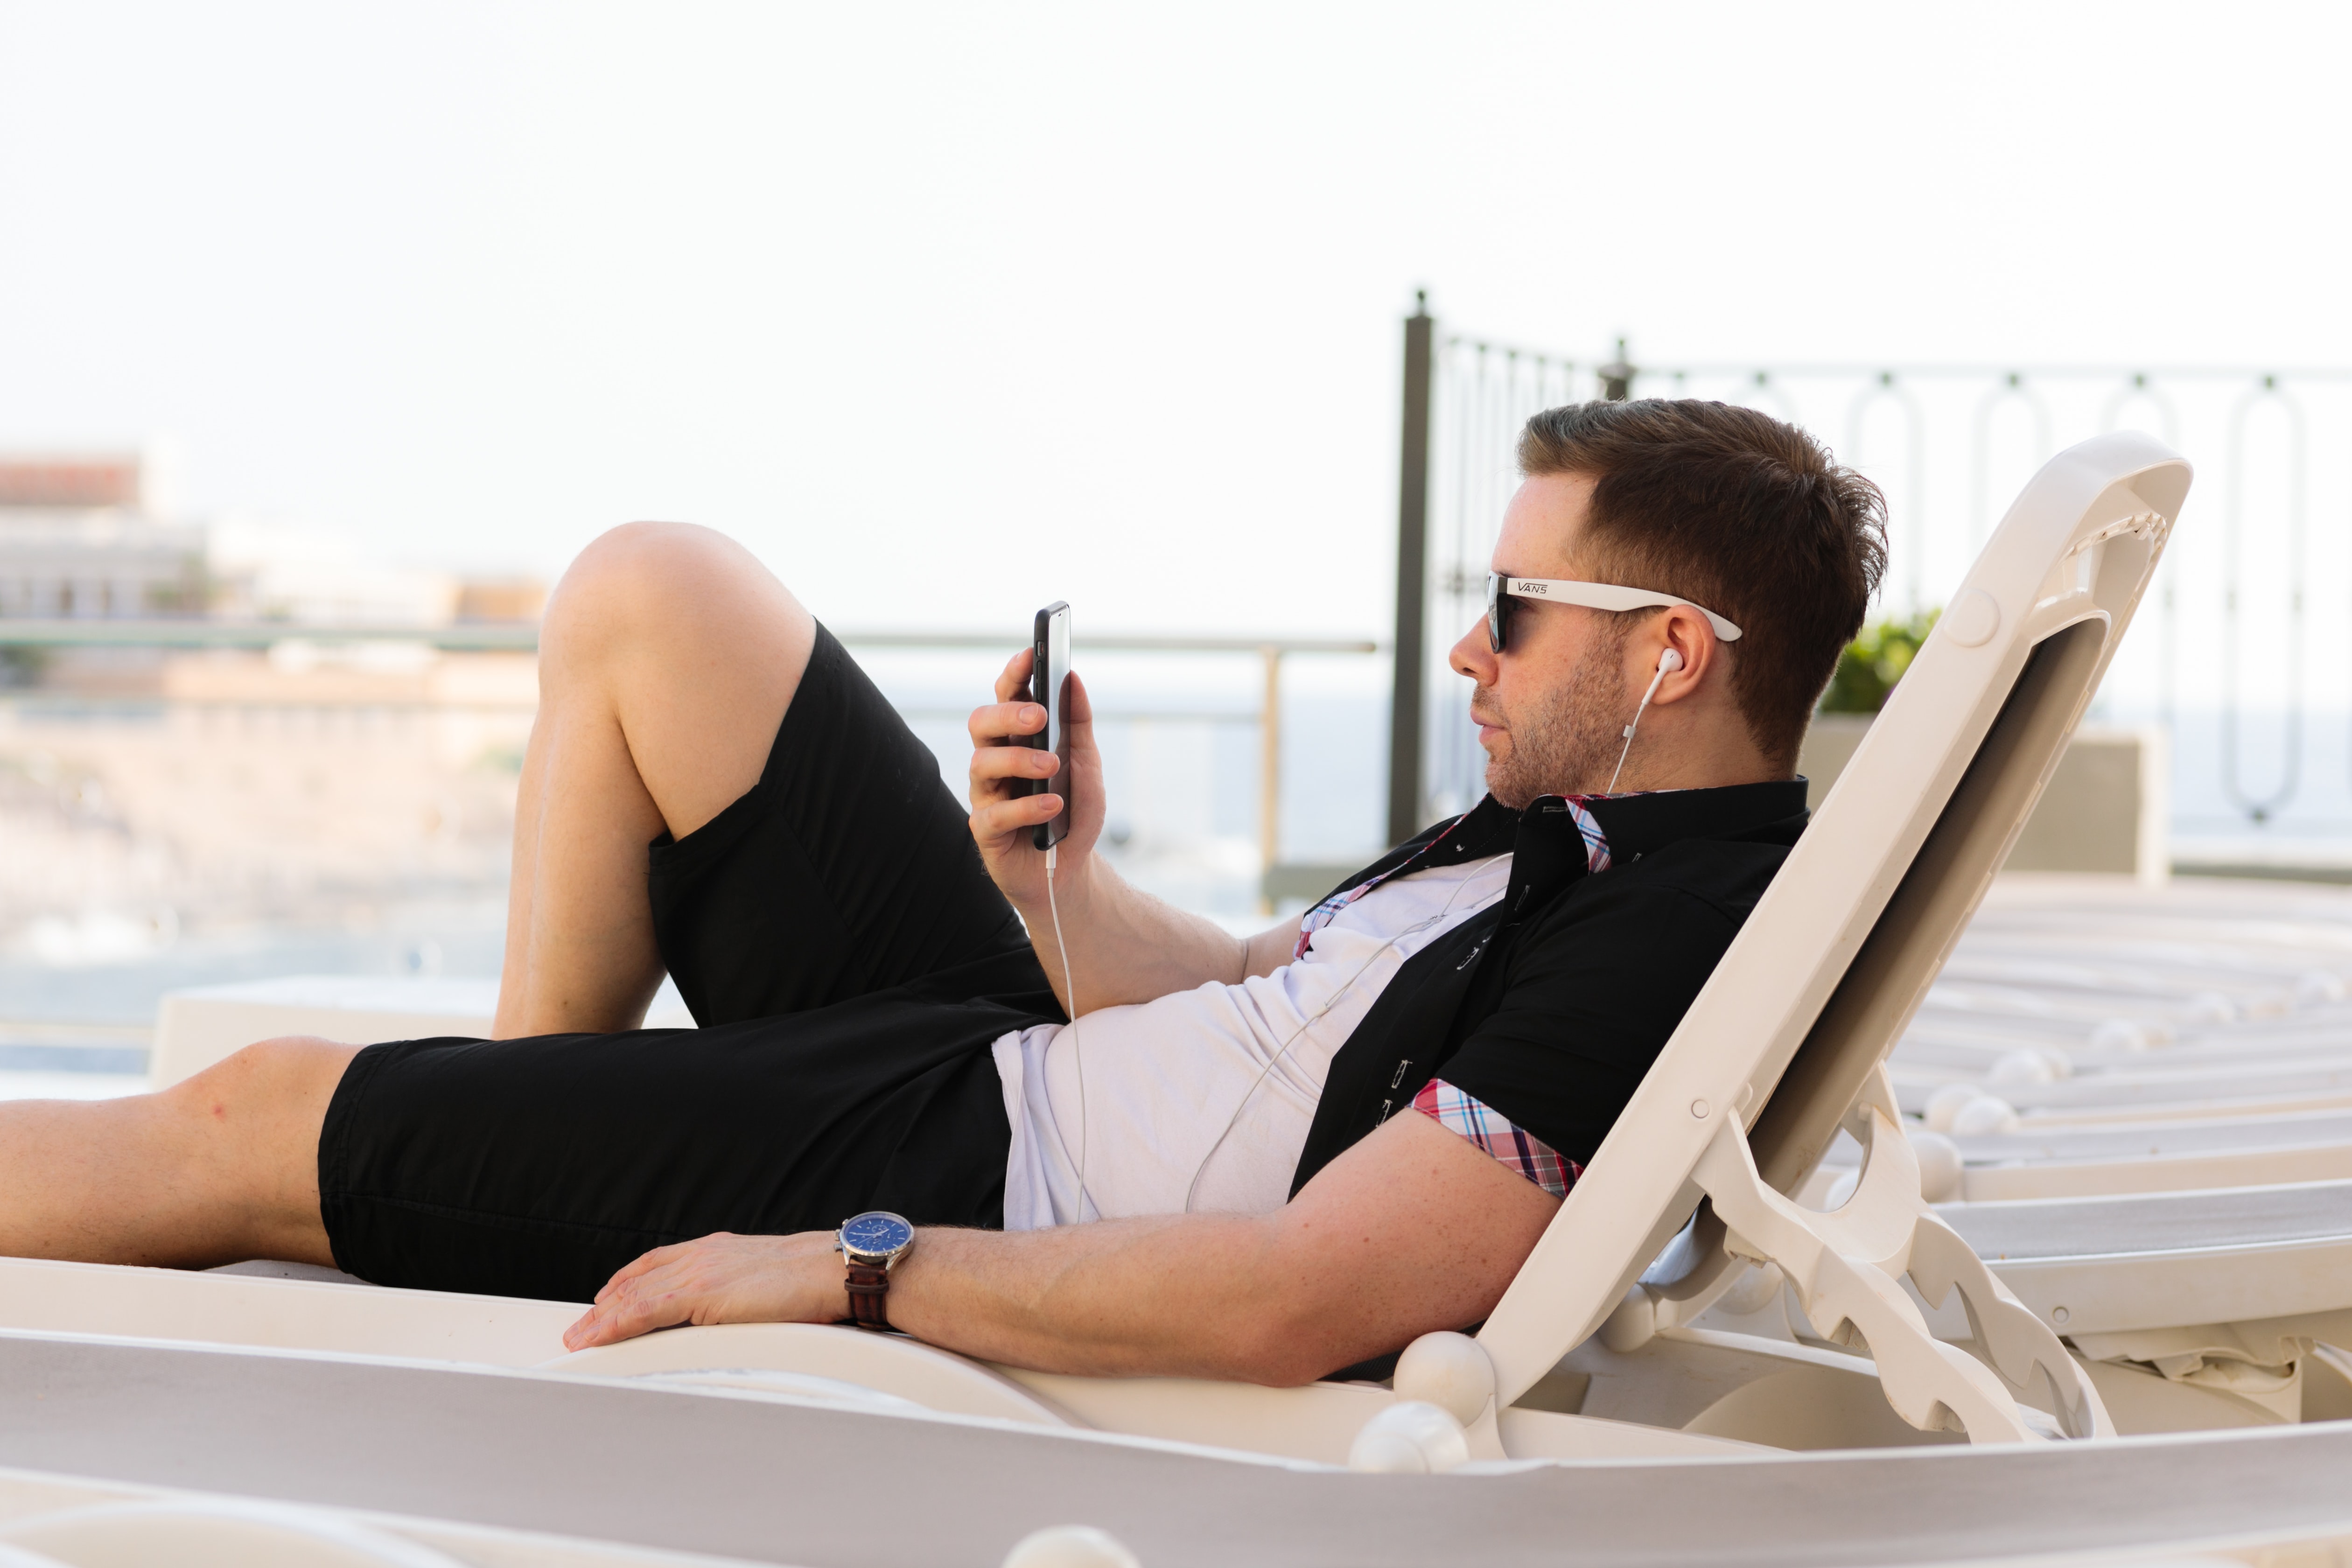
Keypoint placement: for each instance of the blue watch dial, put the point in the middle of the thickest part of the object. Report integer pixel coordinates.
(876, 1234)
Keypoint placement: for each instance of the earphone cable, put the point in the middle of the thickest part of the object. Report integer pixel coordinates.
(1070, 994)
(1668, 662)
(1275, 1060)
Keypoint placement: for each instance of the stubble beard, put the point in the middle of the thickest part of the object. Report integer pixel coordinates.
(1568, 742)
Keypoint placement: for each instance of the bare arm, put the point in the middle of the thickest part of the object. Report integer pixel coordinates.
(1411, 1230)
(1125, 945)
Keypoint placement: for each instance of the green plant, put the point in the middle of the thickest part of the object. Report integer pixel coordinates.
(1873, 662)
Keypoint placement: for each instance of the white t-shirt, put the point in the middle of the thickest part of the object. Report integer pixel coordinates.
(1199, 1082)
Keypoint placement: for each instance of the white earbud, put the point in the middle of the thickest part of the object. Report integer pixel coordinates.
(1668, 662)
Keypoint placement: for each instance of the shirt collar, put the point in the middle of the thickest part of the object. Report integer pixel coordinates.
(1560, 839)
(1617, 827)
(1634, 825)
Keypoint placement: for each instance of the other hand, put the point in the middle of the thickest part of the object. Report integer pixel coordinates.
(1000, 818)
(720, 1279)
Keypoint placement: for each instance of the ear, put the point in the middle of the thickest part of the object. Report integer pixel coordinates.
(1686, 633)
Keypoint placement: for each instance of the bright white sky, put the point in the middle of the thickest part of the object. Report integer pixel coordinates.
(951, 309)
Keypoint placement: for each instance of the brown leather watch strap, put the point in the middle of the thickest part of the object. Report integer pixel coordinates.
(869, 1295)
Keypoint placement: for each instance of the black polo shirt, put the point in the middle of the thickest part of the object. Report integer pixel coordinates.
(1550, 1004)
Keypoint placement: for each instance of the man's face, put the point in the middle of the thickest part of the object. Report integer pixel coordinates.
(1551, 709)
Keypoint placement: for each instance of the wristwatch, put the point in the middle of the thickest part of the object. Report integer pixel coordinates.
(871, 1244)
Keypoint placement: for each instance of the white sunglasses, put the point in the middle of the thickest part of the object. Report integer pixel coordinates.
(1502, 590)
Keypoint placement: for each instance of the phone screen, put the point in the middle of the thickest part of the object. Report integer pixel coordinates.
(1049, 683)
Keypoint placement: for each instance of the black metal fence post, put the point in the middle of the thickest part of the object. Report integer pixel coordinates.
(1617, 376)
(1412, 585)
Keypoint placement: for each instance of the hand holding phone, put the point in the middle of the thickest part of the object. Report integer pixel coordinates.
(1049, 686)
(1040, 704)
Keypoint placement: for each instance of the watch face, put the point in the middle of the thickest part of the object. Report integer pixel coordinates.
(876, 1234)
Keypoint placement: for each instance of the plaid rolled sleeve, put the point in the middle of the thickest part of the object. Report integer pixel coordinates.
(1497, 1135)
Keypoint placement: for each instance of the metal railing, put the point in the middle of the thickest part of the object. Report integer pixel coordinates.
(170, 635)
(1270, 652)
(2245, 649)
(190, 633)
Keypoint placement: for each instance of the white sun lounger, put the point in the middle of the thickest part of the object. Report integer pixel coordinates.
(798, 1443)
(517, 1470)
(2192, 1308)
(1791, 1034)
(2051, 1158)
(2085, 1041)
(2141, 1049)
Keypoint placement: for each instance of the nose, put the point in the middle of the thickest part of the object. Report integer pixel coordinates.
(1472, 657)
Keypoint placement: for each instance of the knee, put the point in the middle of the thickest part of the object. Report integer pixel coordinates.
(638, 588)
(639, 567)
(264, 1080)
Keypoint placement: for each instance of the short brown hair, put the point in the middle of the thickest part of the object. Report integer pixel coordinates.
(1733, 510)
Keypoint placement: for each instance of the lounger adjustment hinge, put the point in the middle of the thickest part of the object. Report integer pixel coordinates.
(1847, 1266)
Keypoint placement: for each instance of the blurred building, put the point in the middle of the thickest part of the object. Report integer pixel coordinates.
(335, 762)
(81, 537)
(502, 599)
(77, 540)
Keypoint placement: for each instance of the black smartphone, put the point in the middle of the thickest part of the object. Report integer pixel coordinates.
(1049, 683)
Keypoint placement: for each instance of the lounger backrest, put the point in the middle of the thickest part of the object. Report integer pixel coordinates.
(1828, 971)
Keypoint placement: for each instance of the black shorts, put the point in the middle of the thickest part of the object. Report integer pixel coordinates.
(850, 963)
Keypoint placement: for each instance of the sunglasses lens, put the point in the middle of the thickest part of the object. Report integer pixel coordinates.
(1498, 614)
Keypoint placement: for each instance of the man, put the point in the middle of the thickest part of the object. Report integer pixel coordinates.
(1265, 1158)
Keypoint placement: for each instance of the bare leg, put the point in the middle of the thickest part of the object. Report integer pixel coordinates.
(668, 659)
(222, 1167)
(666, 662)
